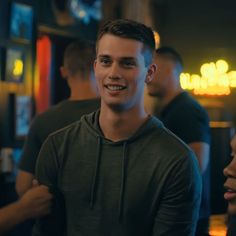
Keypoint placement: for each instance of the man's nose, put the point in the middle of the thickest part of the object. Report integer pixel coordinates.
(115, 72)
(229, 170)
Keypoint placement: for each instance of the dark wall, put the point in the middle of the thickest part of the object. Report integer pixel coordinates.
(202, 31)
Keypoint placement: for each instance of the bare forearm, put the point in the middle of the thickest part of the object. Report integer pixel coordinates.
(23, 182)
(12, 215)
(202, 152)
(36, 202)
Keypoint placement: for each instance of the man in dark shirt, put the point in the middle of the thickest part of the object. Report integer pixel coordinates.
(185, 117)
(77, 70)
(119, 171)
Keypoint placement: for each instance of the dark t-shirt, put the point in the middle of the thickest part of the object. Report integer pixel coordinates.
(231, 226)
(57, 117)
(186, 118)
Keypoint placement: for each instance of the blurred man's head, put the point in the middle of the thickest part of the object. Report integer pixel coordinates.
(230, 184)
(77, 69)
(169, 66)
(78, 59)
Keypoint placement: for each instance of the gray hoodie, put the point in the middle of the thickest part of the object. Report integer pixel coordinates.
(146, 185)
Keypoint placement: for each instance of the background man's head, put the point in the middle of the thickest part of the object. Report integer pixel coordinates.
(169, 66)
(78, 59)
(131, 30)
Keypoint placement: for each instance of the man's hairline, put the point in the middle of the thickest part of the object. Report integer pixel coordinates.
(167, 57)
(143, 50)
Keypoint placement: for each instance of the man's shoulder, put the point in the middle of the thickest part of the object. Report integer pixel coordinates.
(51, 112)
(65, 112)
(169, 150)
(66, 130)
(189, 101)
(167, 139)
(185, 105)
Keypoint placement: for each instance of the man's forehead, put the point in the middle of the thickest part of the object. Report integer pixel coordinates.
(109, 40)
(122, 57)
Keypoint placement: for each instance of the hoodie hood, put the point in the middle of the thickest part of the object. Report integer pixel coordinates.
(91, 121)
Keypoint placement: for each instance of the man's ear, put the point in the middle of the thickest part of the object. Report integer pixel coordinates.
(94, 64)
(150, 73)
(64, 72)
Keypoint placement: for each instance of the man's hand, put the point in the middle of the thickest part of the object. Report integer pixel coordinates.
(36, 202)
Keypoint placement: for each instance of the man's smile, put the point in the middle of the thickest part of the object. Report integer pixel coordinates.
(115, 87)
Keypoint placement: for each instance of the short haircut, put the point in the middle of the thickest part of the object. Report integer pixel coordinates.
(131, 30)
(79, 57)
(172, 54)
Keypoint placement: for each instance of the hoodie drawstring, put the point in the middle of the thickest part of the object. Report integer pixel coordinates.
(122, 181)
(123, 178)
(94, 184)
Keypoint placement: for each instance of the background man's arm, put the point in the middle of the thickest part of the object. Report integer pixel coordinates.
(28, 159)
(202, 152)
(34, 203)
(23, 182)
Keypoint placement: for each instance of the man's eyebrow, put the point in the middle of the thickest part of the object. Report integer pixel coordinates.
(103, 55)
(121, 58)
(128, 58)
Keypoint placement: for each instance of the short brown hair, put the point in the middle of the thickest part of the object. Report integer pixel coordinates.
(131, 30)
(79, 56)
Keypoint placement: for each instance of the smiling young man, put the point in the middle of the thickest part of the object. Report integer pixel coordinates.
(119, 171)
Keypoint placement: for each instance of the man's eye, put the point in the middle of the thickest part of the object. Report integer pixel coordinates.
(128, 63)
(105, 61)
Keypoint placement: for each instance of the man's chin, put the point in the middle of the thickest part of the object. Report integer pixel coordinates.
(232, 208)
(154, 94)
(117, 107)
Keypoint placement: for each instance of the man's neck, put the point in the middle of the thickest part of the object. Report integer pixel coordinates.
(118, 126)
(81, 91)
(169, 97)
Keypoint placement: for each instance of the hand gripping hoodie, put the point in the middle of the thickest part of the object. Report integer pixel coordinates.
(146, 185)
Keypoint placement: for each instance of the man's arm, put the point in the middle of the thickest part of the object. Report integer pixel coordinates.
(46, 173)
(202, 152)
(23, 182)
(28, 159)
(34, 203)
(178, 209)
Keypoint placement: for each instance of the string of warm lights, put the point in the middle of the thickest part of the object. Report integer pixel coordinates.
(214, 79)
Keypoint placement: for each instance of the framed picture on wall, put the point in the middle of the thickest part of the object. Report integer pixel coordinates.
(15, 62)
(21, 22)
(23, 115)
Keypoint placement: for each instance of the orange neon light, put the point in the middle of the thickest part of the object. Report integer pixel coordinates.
(218, 232)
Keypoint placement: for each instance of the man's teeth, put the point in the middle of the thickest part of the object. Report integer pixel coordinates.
(230, 190)
(115, 87)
